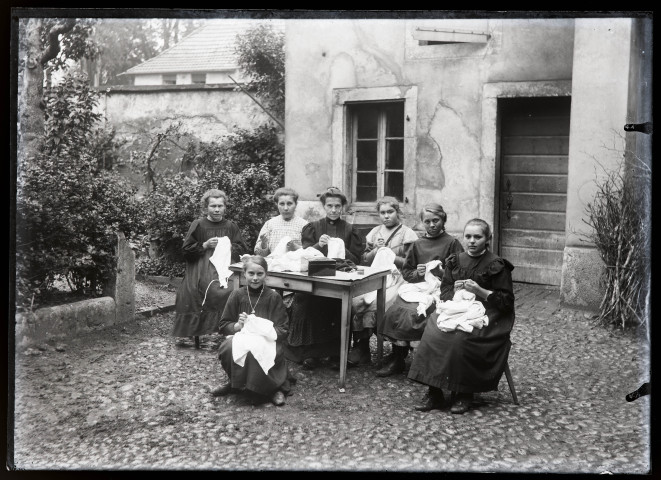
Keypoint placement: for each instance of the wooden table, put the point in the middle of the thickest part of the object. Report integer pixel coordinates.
(343, 285)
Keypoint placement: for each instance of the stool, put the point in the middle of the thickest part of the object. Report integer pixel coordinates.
(510, 382)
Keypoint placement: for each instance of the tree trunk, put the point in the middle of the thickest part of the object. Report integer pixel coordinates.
(30, 89)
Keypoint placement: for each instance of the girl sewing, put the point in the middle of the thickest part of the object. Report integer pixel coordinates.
(256, 321)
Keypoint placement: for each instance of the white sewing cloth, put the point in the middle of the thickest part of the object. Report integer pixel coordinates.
(423, 293)
(281, 247)
(463, 312)
(221, 259)
(336, 248)
(257, 337)
(384, 258)
(291, 261)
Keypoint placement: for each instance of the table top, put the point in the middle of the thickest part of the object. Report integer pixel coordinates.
(344, 277)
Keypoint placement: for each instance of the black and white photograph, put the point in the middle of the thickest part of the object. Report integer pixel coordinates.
(397, 241)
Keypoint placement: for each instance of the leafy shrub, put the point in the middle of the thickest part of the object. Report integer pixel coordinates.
(248, 166)
(68, 208)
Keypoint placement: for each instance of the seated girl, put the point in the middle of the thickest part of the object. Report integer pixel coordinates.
(466, 361)
(397, 237)
(314, 331)
(403, 322)
(286, 224)
(256, 320)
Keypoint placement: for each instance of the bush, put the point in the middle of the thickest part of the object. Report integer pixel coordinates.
(619, 217)
(69, 207)
(248, 166)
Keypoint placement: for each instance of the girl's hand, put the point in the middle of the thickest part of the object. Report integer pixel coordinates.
(211, 243)
(264, 240)
(242, 320)
(421, 269)
(323, 240)
(473, 287)
(459, 284)
(380, 242)
(293, 245)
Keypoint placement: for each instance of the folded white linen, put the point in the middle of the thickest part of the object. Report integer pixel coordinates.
(257, 337)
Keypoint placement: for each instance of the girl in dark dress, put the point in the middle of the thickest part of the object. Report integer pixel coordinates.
(402, 324)
(262, 301)
(462, 362)
(200, 297)
(314, 331)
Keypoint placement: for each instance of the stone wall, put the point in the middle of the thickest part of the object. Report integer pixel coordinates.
(70, 319)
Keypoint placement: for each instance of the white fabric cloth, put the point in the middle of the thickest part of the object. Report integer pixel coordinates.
(336, 248)
(257, 337)
(294, 261)
(424, 293)
(281, 247)
(221, 259)
(384, 258)
(463, 312)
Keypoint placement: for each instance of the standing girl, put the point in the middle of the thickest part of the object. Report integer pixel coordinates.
(200, 297)
(261, 301)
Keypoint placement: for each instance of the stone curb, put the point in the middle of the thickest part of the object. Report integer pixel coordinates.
(150, 312)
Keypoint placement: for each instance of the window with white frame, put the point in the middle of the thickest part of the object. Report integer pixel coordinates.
(377, 150)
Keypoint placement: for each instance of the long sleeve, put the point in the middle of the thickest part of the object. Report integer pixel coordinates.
(310, 238)
(409, 268)
(278, 315)
(258, 249)
(500, 281)
(447, 282)
(356, 245)
(192, 245)
(239, 246)
(230, 314)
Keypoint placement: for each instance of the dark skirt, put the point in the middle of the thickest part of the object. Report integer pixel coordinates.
(402, 322)
(251, 376)
(205, 321)
(314, 328)
(460, 361)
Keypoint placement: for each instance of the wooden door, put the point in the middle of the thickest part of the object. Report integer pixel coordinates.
(534, 144)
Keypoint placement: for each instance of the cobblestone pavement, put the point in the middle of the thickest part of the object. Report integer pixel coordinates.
(128, 398)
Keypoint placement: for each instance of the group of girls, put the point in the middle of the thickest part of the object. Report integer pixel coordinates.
(458, 361)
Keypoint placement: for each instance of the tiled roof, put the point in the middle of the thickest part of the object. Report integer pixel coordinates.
(210, 48)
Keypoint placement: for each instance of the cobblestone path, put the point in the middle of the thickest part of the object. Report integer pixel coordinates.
(127, 398)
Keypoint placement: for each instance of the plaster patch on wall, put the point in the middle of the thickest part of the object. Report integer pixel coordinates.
(383, 59)
(311, 169)
(342, 72)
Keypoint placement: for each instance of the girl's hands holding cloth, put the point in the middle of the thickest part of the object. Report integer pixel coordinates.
(241, 322)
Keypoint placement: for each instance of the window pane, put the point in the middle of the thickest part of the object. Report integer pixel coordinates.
(394, 119)
(366, 187)
(394, 183)
(394, 154)
(366, 155)
(368, 117)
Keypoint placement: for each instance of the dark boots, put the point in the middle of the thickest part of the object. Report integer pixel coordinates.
(434, 400)
(360, 353)
(396, 365)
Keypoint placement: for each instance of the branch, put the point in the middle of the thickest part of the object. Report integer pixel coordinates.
(54, 40)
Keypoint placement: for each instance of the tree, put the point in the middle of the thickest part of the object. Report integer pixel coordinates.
(261, 56)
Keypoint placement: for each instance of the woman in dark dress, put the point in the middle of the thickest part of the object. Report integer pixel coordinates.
(258, 299)
(402, 323)
(459, 361)
(314, 331)
(200, 297)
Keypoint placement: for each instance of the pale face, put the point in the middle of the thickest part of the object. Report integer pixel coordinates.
(475, 239)
(388, 215)
(255, 275)
(333, 207)
(433, 223)
(216, 209)
(286, 206)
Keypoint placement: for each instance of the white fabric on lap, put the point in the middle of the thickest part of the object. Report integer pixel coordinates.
(257, 337)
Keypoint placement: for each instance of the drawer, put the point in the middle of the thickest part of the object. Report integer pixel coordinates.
(289, 284)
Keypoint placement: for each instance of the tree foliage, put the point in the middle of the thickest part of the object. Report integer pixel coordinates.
(261, 56)
(68, 208)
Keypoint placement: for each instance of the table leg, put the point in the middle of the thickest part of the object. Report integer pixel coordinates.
(345, 334)
(380, 312)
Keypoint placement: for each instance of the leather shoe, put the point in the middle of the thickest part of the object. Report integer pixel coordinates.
(431, 403)
(359, 357)
(396, 366)
(461, 406)
(278, 398)
(310, 363)
(222, 390)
